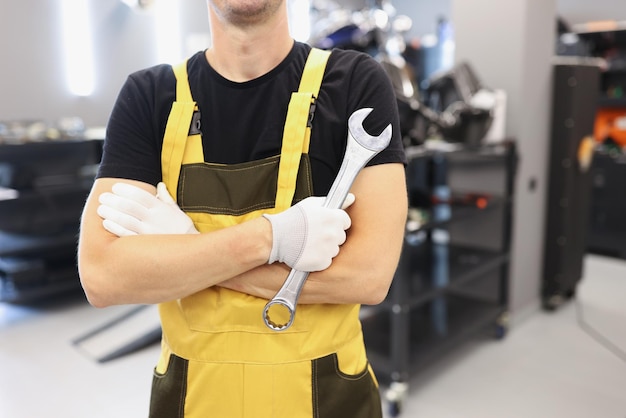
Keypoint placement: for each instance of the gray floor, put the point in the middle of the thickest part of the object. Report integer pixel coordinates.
(550, 365)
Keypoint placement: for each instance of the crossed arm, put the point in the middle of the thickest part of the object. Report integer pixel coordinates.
(158, 268)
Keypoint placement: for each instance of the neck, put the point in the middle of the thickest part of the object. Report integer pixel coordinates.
(241, 53)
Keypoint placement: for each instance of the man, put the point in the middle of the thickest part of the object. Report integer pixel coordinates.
(232, 143)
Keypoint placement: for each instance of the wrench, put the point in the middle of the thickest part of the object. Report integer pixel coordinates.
(361, 147)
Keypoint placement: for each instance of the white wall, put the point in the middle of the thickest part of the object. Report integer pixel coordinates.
(424, 14)
(511, 45)
(32, 74)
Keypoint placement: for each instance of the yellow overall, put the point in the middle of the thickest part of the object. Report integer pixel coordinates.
(218, 358)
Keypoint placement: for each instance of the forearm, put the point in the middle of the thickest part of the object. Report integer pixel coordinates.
(355, 276)
(328, 286)
(156, 268)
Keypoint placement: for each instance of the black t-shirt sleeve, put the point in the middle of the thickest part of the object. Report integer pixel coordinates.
(375, 90)
(132, 146)
(352, 81)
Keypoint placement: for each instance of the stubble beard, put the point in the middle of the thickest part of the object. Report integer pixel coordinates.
(247, 13)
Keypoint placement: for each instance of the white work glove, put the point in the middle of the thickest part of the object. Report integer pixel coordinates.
(129, 210)
(307, 236)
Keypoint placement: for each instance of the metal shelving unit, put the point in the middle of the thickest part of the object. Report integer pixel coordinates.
(452, 279)
(48, 182)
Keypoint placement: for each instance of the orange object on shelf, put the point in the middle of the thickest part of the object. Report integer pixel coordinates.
(611, 123)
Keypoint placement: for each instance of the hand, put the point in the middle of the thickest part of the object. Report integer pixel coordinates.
(129, 210)
(307, 236)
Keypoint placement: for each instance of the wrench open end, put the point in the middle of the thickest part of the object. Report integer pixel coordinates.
(372, 143)
(281, 312)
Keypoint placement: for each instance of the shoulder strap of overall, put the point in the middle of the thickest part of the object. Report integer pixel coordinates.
(297, 131)
(314, 71)
(176, 130)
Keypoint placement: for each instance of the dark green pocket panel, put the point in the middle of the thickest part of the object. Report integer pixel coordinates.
(337, 395)
(236, 189)
(169, 390)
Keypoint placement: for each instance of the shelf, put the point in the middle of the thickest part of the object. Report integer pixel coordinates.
(17, 245)
(45, 211)
(596, 28)
(55, 282)
(618, 71)
(612, 102)
(23, 278)
(38, 276)
(426, 271)
(604, 37)
(464, 213)
(432, 330)
(462, 207)
(448, 148)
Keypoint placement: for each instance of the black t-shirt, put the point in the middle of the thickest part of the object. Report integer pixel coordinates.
(243, 122)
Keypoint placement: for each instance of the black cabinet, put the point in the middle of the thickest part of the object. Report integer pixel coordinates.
(607, 223)
(43, 187)
(574, 102)
(452, 279)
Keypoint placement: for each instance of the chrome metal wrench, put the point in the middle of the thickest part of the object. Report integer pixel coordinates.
(360, 149)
